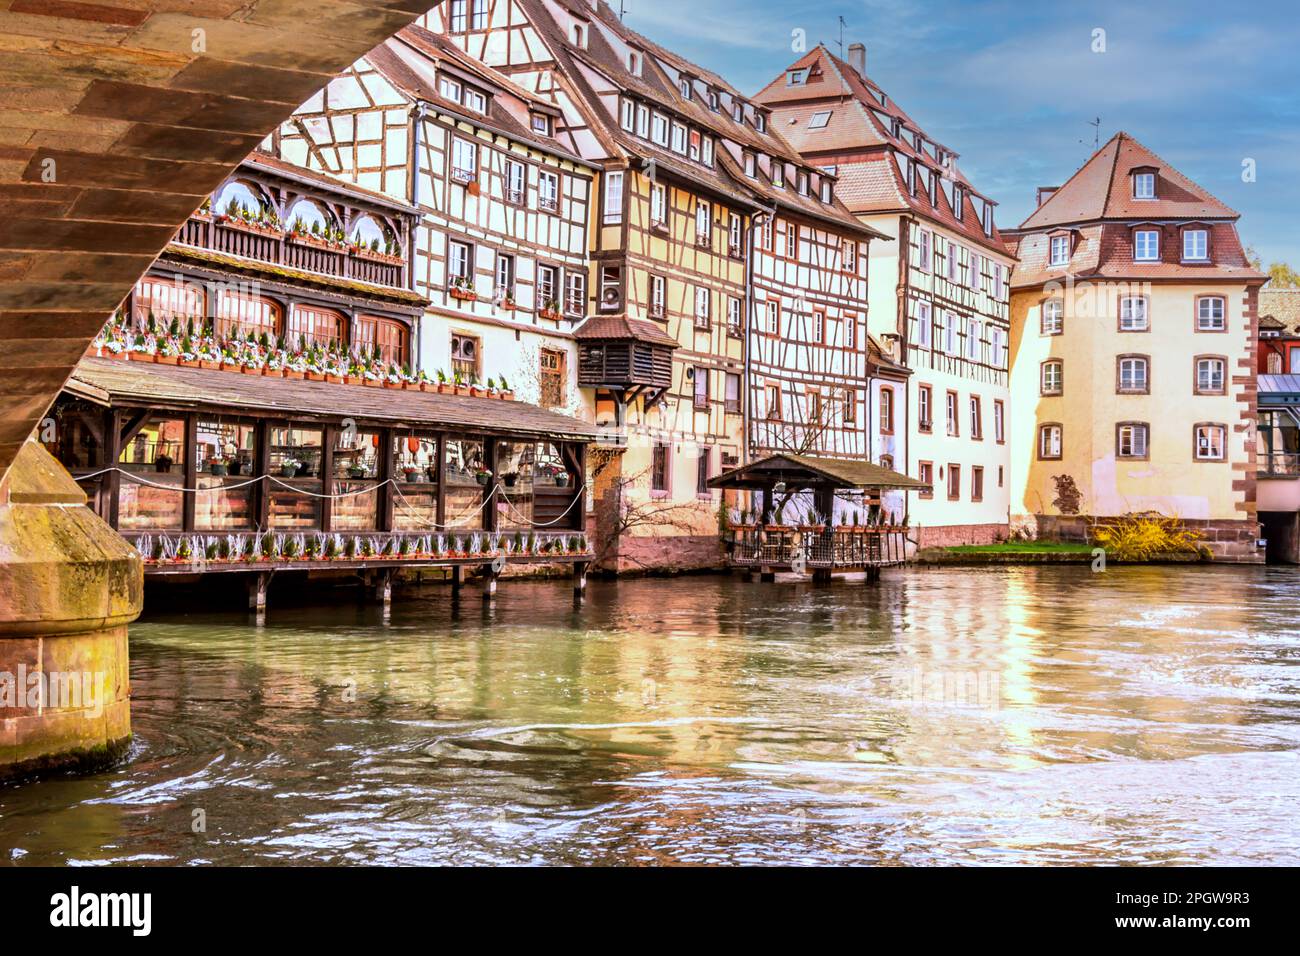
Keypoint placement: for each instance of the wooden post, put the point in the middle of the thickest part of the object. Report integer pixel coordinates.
(113, 454)
(262, 466)
(579, 581)
(490, 514)
(327, 438)
(386, 469)
(190, 471)
(457, 579)
(490, 579)
(442, 481)
(383, 587)
(258, 584)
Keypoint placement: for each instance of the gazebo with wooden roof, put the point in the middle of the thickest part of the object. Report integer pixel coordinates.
(821, 548)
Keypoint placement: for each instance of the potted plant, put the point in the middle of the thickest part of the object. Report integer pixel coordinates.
(462, 290)
(510, 478)
(289, 467)
(413, 474)
(481, 475)
(357, 472)
(551, 309)
(460, 386)
(561, 479)
(506, 392)
(442, 382)
(217, 467)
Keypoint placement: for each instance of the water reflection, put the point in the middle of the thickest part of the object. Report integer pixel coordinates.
(1017, 715)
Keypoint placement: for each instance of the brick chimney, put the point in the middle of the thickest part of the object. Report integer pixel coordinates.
(858, 58)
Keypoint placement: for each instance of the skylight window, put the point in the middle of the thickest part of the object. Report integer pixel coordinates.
(796, 78)
(820, 120)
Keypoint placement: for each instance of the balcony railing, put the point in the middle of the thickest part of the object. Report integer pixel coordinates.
(833, 548)
(1280, 464)
(302, 253)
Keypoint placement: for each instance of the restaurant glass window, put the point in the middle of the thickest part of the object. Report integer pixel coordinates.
(155, 455)
(239, 314)
(415, 469)
(467, 478)
(312, 326)
(224, 454)
(167, 300)
(516, 470)
(355, 482)
(294, 471)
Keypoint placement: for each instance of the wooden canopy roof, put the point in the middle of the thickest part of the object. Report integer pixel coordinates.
(177, 387)
(807, 472)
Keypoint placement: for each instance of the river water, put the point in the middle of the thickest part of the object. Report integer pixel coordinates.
(991, 716)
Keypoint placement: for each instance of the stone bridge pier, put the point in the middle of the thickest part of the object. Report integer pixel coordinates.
(117, 117)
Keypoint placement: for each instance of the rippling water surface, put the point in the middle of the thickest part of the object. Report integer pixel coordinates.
(1039, 715)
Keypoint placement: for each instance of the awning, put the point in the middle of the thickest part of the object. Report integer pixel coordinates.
(1278, 390)
(808, 472)
(180, 388)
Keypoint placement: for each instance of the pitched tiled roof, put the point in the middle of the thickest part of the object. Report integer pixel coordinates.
(265, 161)
(1102, 189)
(859, 130)
(621, 328)
(806, 470)
(178, 387)
(1282, 305)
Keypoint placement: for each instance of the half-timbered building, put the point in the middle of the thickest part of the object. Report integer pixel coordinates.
(939, 292)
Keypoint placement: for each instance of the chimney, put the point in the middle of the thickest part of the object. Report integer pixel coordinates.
(858, 58)
(1045, 193)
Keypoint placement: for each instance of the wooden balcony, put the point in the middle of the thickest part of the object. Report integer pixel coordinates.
(830, 549)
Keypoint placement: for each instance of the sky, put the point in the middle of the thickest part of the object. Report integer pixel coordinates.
(1014, 86)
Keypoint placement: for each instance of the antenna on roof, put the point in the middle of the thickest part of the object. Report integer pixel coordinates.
(622, 9)
(841, 40)
(1096, 134)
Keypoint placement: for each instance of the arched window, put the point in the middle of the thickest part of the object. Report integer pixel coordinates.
(182, 301)
(243, 195)
(370, 234)
(308, 216)
(387, 335)
(239, 314)
(311, 325)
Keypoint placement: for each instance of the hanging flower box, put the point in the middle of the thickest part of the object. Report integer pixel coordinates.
(552, 314)
(463, 294)
(372, 382)
(373, 255)
(462, 390)
(477, 391)
(256, 228)
(317, 242)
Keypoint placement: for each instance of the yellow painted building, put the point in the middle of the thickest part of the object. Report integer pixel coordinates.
(1134, 329)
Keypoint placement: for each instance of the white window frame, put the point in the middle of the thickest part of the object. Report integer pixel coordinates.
(1208, 320)
(1053, 377)
(1144, 185)
(1060, 251)
(1200, 248)
(548, 191)
(1206, 436)
(1137, 435)
(613, 197)
(1146, 245)
(1134, 374)
(1129, 318)
(1217, 372)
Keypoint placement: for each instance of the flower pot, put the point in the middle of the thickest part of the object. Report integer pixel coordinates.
(481, 479)
(373, 383)
(288, 471)
(507, 396)
(395, 386)
(476, 392)
(462, 390)
(252, 370)
(445, 389)
(294, 373)
(315, 376)
(188, 363)
(335, 379)
(210, 365)
(413, 476)
(218, 470)
(356, 474)
(166, 359)
(510, 480)
(561, 481)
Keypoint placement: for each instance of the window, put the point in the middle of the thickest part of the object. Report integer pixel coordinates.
(548, 191)
(796, 77)
(924, 256)
(767, 236)
(1133, 314)
(613, 198)
(760, 121)
(1144, 185)
(850, 331)
(548, 288)
(827, 191)
(659, 129)
(1060, 250)
(460, 264)
(516, 179)
(850, 406)
(953, 257)
(733, 316)
(1133, 374)
(1211, 442)
(611, 288)
(819, 327)
(973, 344)
(1211, 375)
(950, 333)
(778, 173)
(801, 178)
(1195, 245)
(820, 120)
(475, 101)
(1052, 376)
(954, 482)
(951, 410)
(480, 21)
(182, 301)
(849, 255)
(976, 271)
(924, 412)
(999, 424)
(735, 235)
(627, 114)
(715, 101)
(505, 276)
(997, 280)
(684, 87)
(1131, 440)
(458, 20)
(925, 473)
(701, 381)
(703, 223)
(924, 325)
(773, 396)
(976, 483)
(634, 62)
(703, 306)
(575, 293)
(886, 410)
(695, 142)
(1049, 442)
(541, 124)
(998, 347)
(388, 337)
(643, 121)
(239, 315)
(658, 204)
(751, 166)
(579, 34)
(658, 295)
(1211, 314)
(773, 318)
(976, 419)
(551, 378)
(732, 395)
(679, 138)
(449, 89)
(1146, 245)
(814, 406)
(1053, 319)
(791, 241)
(464, 357)
(312, 326)
(702, 471)
(464, 160)
(659, 471)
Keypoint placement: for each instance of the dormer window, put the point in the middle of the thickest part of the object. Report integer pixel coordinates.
(751, 166)
(1060, 250)
(803, 183)
(541, 124)
(706, 151)
(449, 89)
(738, 112)
(1196, 245)
(635, 62)
(715, 101)
(1144, 185)
(828, 191)
(988, 219)
(760, 121)
(1146, 245)
(579, 34)
(778, 173)
(684, 86)
(796, 78)
(958, 200)
(476, 101)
